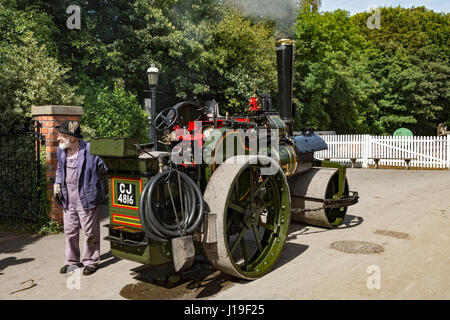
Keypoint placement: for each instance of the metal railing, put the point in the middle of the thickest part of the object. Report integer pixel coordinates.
(20, 174)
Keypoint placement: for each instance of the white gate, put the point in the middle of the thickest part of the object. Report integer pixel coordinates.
(420, 152)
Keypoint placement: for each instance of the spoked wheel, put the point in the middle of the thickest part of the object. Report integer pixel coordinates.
(252, 208)
(165, 119)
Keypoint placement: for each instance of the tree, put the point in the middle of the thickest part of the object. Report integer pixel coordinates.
(328, 97)
(197, 55)
(348, 78)
(311, 5)
(112, 113)
(240, 57)
(353, 79)
(29, 76)
(17, 18)
(409, 60)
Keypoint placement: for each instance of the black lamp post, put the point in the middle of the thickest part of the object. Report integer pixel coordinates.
(153, 77)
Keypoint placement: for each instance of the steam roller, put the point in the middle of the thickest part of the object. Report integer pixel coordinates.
(227, 187)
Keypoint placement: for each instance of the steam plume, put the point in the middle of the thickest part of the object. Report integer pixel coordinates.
(282, 12)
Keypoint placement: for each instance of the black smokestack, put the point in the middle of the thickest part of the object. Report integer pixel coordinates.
(285, 63)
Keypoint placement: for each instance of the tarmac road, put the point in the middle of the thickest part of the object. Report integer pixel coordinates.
(394, 244)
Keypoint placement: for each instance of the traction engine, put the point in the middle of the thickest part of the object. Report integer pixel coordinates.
(220, 185)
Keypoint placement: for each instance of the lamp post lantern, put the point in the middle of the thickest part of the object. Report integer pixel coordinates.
(153, 77)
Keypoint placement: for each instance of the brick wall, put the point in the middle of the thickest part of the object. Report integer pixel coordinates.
(51, 117)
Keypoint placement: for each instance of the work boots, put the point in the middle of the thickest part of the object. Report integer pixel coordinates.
(67, 266)
(88, 270)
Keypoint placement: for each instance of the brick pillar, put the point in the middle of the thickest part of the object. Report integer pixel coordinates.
(51, 117)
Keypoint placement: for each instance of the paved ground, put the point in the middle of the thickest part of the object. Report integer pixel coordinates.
(404, 216)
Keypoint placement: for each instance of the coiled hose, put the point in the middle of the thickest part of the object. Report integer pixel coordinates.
(191, 200)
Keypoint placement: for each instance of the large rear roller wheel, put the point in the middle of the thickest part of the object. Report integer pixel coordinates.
(252, 211)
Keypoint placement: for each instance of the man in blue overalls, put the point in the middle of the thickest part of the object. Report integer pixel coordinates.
(79, 189)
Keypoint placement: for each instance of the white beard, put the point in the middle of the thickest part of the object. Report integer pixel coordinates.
(65, 145)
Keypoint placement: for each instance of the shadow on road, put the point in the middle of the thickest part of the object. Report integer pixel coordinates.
(200, 282)
(298, 229)
(163, 283)
(12, 261)
(290, 252)
(12, 242)
(107, 259)
(203, 280)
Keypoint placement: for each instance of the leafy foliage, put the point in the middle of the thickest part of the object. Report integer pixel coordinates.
(29, 76)
(204, 49)
(112, 113)
(409, 62)
(328, 95)
(348, 78)
(241, 59)
(354, 79)
(17, 18)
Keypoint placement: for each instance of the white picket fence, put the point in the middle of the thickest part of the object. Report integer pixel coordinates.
(424, 152)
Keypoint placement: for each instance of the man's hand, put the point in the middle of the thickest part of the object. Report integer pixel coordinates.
(57, 193)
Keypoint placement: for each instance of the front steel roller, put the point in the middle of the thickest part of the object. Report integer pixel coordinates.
(309, 190)
(252, 208)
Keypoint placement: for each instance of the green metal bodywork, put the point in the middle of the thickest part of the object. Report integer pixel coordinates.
(151, 254)
(336, 220)
(115, 147)
(341, 172)
(217, 152)
(121, 158)
(125, 166)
